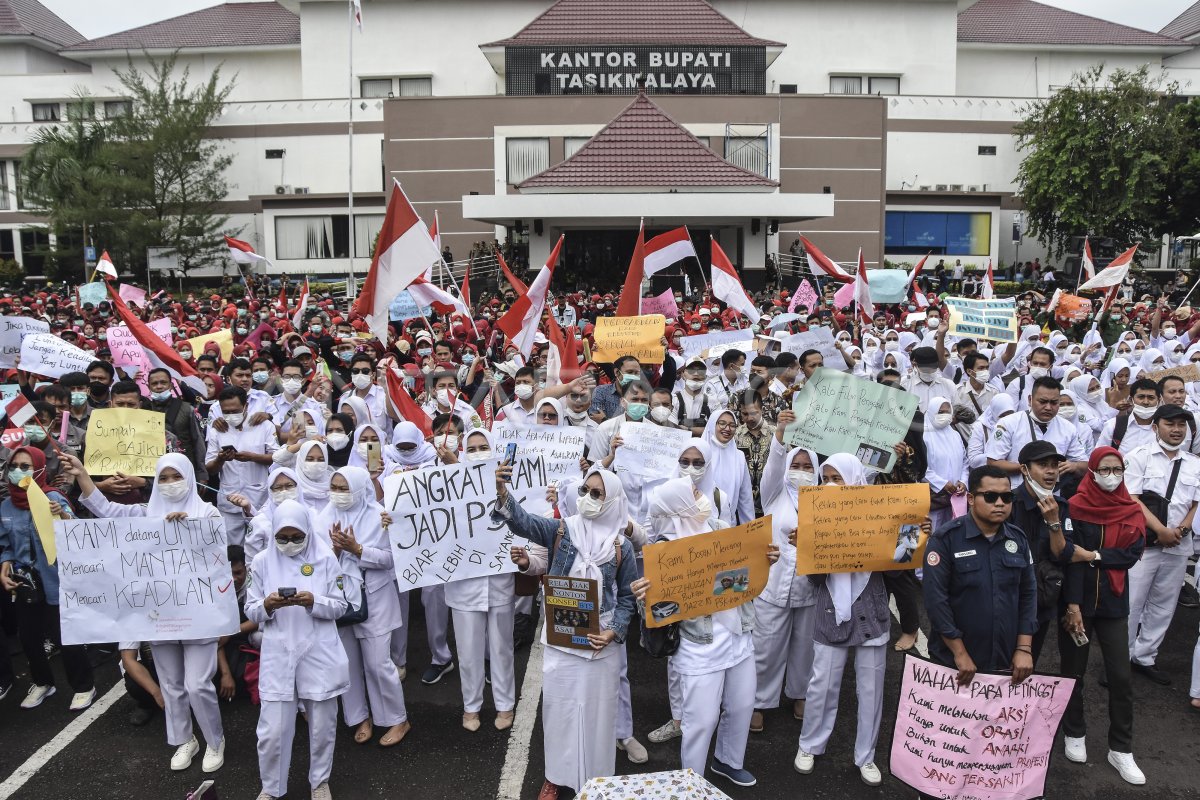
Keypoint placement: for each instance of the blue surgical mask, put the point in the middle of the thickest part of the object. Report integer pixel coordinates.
(79, 398)
(637, 411)
(161, 397)
(627, 379)
(468, 359)
(260, 376)
(15, 476)
(34, 433)
(424, 351)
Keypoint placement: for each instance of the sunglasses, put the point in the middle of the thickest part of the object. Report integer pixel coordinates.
(595, 493)
(366, 371)
(699, 462)
(991, 497)
(290, 540)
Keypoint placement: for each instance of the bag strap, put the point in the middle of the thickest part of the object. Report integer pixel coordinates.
(1174, 479)
(1119, 429)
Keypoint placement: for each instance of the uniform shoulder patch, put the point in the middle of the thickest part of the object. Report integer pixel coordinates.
(932, 559)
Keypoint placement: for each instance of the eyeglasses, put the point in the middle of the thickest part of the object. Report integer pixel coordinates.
(725, 426)
(699, 463)
(290, 539)
(366, 371)
(1110, 471)
(548, 417)
(596, 494)
(991, 497)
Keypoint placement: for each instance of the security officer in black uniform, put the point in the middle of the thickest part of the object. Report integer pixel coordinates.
(979, 585)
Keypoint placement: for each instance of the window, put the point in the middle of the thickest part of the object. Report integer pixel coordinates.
(366, 228)
(844, 84)
(748, 152)
(987, 149)
(273, 154)
(787, 88)
(326, 236)
(942, 232)
(416, 87)
(572, 144)
(375, 87)
(884, 85)
(45, 112)
(117, 108)
(84, 109)
(526, 158)
(3, 186)
(17, 184)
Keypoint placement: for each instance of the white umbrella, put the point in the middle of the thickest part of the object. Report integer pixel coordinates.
(680, 784)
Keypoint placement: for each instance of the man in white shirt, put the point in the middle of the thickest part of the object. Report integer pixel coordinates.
(564, 312)
(293, 400)
(1162, 477)
(729, 381)
(242, 455)
(444, 398)
(976, 391)
(1132, 429)
(692, 405)
(363, 386)
(1042, 423)
(926, 381)
(1040, 362)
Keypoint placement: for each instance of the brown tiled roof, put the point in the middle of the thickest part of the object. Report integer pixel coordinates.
(663, 22)
(31, 18)
(1027, 22)
(643, 147)
(226, 25)
(1185, 25)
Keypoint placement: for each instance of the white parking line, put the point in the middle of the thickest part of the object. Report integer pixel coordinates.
(516, 760)
(56, 745)
(922, 639)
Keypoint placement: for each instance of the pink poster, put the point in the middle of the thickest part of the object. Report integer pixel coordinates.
(805, 296)
(958, 503)
(663, 304)
(132, 294)
(989, 740)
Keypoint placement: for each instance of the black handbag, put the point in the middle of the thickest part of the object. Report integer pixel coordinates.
(659, 642)
(353, 616)
(1158, 505)
(29, 584)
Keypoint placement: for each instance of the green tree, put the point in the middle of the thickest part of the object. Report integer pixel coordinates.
(1097, 158)
(1181, 206)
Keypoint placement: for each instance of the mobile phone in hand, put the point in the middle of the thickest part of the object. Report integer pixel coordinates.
(510, 457)
(374, 459)
(286, 592)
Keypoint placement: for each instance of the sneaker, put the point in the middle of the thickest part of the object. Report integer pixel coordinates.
(549, 791)
(1076, 749)
(322, 792)
(83, 700)
(634, 750)
(1124, 765)
(804, 762)
(264, 796)
(1152, 672)
(1188, 598)
(666, 733)
(140, 716)
(756, 722)
(870, 774)
(214, 757)
(739, 776)
(436, 672)
(184, 755)
(36, 695)
(4, 690)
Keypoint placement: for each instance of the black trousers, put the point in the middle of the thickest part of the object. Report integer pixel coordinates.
(1113, 637)
(140, 695)
(37, 622)
(903, 585)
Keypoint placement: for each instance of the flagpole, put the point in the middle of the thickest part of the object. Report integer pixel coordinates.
(351, 283)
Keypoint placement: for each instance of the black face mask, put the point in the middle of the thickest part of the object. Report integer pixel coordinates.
(98, 388)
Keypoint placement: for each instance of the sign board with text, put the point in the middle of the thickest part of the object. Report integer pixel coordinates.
(860, 528)
(126, 440)
(640, 337)
(546, 455)
(995, 320)
(12, 331)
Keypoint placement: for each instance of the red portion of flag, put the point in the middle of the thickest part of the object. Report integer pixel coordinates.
(819, 261)
(19, 410)
(631, 295)
(238, 244)
(465, 291)
(156, 348)
(518, 286)
(404, 404)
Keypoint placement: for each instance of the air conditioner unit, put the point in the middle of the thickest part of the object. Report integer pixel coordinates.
(941, 187)
(956, 187)
(283, 190)
(974, 188)
(925, 188)
(300, 190)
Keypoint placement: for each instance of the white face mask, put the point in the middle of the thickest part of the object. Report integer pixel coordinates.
(279, 495)
(871, 350)
(694, 386)
(703, 509)
(523, 391)
(590, 507)
(660, 413)
(1067, 412)
(1072, 357)
(942, 420)
(450, 442)
(341, 500)
(292, 385)
(1095, 396)
(479, 455)
(1165, 446)
(336, 440)
(926, 375)
(1038, 372)
(1142, 412)
(310, 431)
(932, 323)
(360, 381)
(695, 473)
(361, 450)
(292, 549)
(1169, 333)
(801, 477)
(176, 490)
(1039, 491)
(982, 376)
(314, 470)
(891, 345)
(235, 420)
(578, 416)
(1107, 482)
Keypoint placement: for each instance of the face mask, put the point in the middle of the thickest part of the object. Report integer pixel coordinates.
(870, 350)
(1072, 357)
(1068, 412)
(292, 385)
(1038, 372)
(523, 391)
(695, 473)
(260, 376)
(242, 331)
(15, 476)
(341, 500)
(1095, 396)
(932, 323)
(235, 420)
(801, 477)
(174, 491)
(627, 379)
(1168, 333)
(185, 354)
(337, 440)
(314, 470)
(926, 375)
(1039, 491)
(1107, 482)
(345, 356)
(479, 455)
(34, 433)
(98, 388)
(468, 359)
(891, 345)
(590, 507)
(361, 381)
(1141, 412)
(1167, 446)
(291, 549)
(79, 398)
(982, 376)
(450, 442)
(636, 411)
(578, 416)
(695, 326)
(315, 328)
(703, 509)
(424, 351)
(694, 386)
(279, 495)
(660, 413)
(310, 431)
(942, 420)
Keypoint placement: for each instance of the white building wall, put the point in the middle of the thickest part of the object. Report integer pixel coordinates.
(262, 74)
(997, 71)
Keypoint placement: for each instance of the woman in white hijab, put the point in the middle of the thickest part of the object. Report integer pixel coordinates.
(1115, 379)
(364, 435)
(1089, 400)
(185, 668)
(411, 449)
(356, 408)
(945, 457)
(1152, 360)
(714, 661)
(483, 623)
(579, 689)
(998, 408)
(312, 475)
(302, 661)
(353, 521)
(727, 468)
(282, 484)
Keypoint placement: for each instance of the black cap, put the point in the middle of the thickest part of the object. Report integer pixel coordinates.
(1173, 412)
(925, 357)
(1039, 451)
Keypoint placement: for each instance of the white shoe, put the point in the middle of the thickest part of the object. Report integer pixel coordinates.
(214, 757)
(666, 733)
(1129, 770)
(634, 750)
(870, 774)
(184, 755)
(322, 792)
(83, 700)
(37, 694)
(804, 762)
(264, 796)
(1076, 749)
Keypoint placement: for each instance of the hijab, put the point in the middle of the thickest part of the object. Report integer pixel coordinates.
(1097, 412)
(595, 540)
(317, 417)
(550, 401)
(1121, 515)
(1108, 378)
(726, 464)
(944, 451)
(673, 504)
(356, 459)
(408, 433)
(845, 587)
(339, 458)
(259, 531)
(19, 496)
(1146, 364)
(785, 500)
(192, 505)
(314, 493)
(364, 515)
(362, 414)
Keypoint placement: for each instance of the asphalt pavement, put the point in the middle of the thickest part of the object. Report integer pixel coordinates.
(50, 753)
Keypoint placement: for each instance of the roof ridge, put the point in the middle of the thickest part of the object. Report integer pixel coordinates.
(227, 24)
(1032, 22)
(32, 18)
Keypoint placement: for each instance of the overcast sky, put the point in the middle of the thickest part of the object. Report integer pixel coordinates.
(94, 19)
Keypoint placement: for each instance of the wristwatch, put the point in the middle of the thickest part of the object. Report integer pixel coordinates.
(1095, 558)
(1055, 526)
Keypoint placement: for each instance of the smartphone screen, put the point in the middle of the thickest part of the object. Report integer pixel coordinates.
(373, 457)
(510, 453)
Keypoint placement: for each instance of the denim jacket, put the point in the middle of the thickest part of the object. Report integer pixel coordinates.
(19, 542)
(616, 596)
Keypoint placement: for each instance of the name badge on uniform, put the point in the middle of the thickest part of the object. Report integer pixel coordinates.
(1011, 546)
(1067, 524)
(964, 554)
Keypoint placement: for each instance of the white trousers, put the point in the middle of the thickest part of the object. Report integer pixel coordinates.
(373, 677)
(235, 527)
(820, 710)
(674, 691)
(437, 626)
(277, 728)
(783, 645)
(185, 676)
(624, 727)
(481, 635)
(721, 703)
(1195, 692)
(1154, 583)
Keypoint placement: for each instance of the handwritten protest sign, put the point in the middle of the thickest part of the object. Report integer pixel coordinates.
(983, 319)
(124, 440)
(860, 528)
(989, 740)
(1188, 372)
(572, 610)
(223, 339)
(48, 355)
(404, 307)
(816, 339)
(12, 331)
(546, 454)
(132, 294)
(648, 451)
(805, 297)
(662, 304)
(126, 350)
(839, 413)
(94, 293)
(43, 520)
(713, 344)
(640, 337)
(442, 530)
(144, 579)
(707, 573)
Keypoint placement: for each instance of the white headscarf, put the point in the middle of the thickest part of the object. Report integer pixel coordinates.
(317, 417)
(191, 504)
(1146, 364)
(365, 516)
(673, 505)
(408, 433)
(313, 493)
(1095, 413)
(944, 451)
(727, 468)
(1108, 378)
(355, 459)
(362, 414)
(782, 502)
(595, 540)
(258, 534)
(845, 587)
(550, 401)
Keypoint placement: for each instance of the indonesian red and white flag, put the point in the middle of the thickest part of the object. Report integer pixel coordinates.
(357, 5)
(405, 250)
(105, 265)
(562, 357)
(630, 304)
(19, 410)
(667, 248)
(727, 287)
(158, 352)
(429, 294)
(1114, 274)
(988, 290)
(1087, 266)
(818, 262)
(465, 290)
(521, 322)
(862, 291)
(516, 283)
(281, 303)
(437, 244)
(404, 404)
(302, 306)
(916, 273)
(241, 252)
